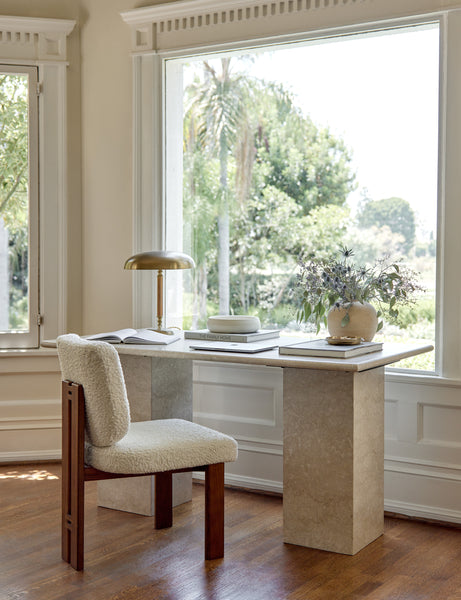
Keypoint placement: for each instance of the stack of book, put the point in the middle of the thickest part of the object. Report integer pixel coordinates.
(256, 336)
(323, 348)
(256, 341)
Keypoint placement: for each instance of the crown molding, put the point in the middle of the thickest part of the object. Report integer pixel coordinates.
(189, 24)
(24, 38)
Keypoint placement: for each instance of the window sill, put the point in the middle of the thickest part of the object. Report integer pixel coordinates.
(414, 378)
(29, 352)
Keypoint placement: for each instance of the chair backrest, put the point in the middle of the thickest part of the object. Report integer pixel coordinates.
(96, 366)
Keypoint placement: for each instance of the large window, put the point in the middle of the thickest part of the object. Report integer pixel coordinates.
(18, 207)
(299, 149)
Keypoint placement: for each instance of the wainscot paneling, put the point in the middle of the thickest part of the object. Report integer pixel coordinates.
(423, 447)
(422, 471)
(30, 407)
(245, 402)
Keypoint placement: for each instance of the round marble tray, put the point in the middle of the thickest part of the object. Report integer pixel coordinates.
(233, 324)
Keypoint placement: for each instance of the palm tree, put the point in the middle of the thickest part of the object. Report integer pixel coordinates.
(220, 106)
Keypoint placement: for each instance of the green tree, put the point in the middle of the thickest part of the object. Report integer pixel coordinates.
(280, 170)
(14, 186)
(201, 188)
(13, 151)
(395, 213)
(219, 105)
(303, 160)
(292, 170)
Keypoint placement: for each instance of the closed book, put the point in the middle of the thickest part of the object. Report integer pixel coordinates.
(323, 348)
(245, 347)
(206, 334)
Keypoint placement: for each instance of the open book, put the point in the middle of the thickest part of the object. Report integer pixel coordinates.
(134, 336)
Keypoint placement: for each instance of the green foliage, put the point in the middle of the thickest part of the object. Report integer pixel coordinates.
(428, 249)
(422, 311)
(14, 162)
(394, 213)
(307, 163)
(18, 310)
(216, 114)
(13, 151)
(286, 183)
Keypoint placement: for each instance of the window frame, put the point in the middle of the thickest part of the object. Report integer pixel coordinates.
(172, 102)
(42, 44)
(149, 56)
(29, 338)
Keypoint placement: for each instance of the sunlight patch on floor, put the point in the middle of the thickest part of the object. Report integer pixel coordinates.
(33, 475)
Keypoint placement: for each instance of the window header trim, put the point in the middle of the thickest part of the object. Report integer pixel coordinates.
(24, 38)
(189, 24)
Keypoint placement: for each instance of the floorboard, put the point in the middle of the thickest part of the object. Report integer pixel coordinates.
(126, 559)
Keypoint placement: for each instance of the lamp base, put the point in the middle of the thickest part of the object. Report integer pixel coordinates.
(164, 331)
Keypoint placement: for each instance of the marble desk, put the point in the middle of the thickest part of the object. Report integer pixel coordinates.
(333, 443)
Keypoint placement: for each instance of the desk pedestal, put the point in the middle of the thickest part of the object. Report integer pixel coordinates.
(158, 388)
(333, 448)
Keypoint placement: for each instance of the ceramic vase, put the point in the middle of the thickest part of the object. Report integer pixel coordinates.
(363, 321)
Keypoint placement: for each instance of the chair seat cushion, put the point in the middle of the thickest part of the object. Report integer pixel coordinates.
(162, 445)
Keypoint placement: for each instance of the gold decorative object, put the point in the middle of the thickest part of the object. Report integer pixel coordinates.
(344, 340)
(160, 261)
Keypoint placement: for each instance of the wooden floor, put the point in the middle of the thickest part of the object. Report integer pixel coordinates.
(126, 559)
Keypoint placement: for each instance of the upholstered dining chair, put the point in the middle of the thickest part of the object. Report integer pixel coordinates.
(100, 442)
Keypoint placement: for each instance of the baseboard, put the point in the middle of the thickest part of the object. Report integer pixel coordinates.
(249, 483)
(30, 456)
(428, 513)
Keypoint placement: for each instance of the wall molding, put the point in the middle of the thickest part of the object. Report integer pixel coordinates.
(422, 468)
(195, 23)
(32, 456)
(24, 423)
(186, 15)
(248, 483)
(431, 513)
(34, 39)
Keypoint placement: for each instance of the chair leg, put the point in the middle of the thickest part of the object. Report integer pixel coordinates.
(214, 511)
(73, 477)
(163, 500)
(65, 478)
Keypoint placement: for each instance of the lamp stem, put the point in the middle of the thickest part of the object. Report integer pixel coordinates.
(159, 299)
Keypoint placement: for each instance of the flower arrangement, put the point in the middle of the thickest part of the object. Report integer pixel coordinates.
(337, 282)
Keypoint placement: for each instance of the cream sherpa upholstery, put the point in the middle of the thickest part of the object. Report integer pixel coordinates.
(115, 445)
(96, 366)
(164, 445)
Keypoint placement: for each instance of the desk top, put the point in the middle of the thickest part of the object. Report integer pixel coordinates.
(181, 349)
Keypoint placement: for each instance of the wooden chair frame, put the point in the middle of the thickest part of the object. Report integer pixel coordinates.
(75, 472)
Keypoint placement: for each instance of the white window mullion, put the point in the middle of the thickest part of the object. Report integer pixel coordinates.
(450, 239)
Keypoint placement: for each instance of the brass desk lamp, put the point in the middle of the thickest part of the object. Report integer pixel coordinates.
(160, 261)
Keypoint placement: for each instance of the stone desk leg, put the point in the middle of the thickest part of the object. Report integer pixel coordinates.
(333, 449)
(158, 388)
